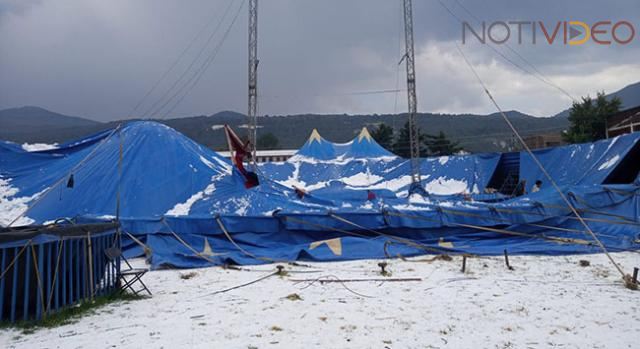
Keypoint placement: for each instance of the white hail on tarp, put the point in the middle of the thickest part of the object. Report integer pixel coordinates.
(609, 163)
(12, 205)
(39, 146)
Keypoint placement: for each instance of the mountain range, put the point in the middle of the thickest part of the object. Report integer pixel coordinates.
(476, 133)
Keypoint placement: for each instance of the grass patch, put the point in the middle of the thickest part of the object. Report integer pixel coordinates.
(294, 297)
(187, 276)
(71, 314)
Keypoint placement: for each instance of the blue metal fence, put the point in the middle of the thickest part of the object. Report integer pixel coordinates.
(45, 269)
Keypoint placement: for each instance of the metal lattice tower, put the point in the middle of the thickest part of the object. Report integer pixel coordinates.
(414, 137)
(253, 76)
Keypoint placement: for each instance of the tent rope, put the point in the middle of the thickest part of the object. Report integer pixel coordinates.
(542, 168)
(186, 244)
(73, 169)
(228, 236)
(15, 258)
(147, 250)
(55, 274)
(495, 230)
(400, 240)
(597, 220)
(468, 214)
(242, 285)
(38, 278)
(407, 242)
(89, 247)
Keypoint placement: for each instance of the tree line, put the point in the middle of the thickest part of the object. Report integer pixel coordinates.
(587, 123)
(398, 142)
(588, 118)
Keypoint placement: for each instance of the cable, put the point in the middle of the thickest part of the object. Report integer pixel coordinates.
(203, 68)
(163, 221)
(326, 278)
(154, 107)
(170, 69)
(15, 258)
(541, 77)
(73, 169)
(242, 285)
(484, 136)
(399, 52)
(520, 56)
(542, 168)
(338, 94)
(228, 236)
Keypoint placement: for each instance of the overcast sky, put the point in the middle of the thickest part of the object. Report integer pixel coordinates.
(98, 58)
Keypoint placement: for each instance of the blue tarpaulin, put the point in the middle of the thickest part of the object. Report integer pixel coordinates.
(190, 207)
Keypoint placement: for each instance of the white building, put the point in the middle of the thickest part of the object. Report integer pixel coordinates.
(268, 155)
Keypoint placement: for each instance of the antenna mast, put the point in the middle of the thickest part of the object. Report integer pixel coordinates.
(253, 76)
(414, 138)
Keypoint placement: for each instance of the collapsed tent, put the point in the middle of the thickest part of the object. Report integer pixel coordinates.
(186, 206)
(159, 168)
(363, 164)
(589, 163)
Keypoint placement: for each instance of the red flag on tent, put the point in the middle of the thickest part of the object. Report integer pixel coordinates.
(371, 195)
(239, 150)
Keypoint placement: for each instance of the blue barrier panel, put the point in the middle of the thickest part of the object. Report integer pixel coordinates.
(40, 279)
(25, 307)
(2, 269)
(44, 269)
(14, 285)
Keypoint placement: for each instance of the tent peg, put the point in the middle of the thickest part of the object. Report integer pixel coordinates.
(506, 260)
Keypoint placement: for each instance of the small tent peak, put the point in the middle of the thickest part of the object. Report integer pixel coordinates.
(315, 137)
(364, 135)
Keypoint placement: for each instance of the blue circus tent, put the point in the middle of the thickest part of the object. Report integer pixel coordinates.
(190, 207)
(317, 148)
(363, 164)
(159, 168)
(364, 146)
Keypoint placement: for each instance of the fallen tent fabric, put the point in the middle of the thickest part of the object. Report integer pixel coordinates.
(588, 163)
(394, 232)
(186, 206)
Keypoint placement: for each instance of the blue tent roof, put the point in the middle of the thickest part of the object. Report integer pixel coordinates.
(364, 146)
(317, 148)
(159, 168)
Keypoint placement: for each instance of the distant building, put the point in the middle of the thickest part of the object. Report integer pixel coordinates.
(268, 155)
(544, 140)
(625, 121)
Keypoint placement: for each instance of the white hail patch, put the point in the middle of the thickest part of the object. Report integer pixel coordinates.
(609, 163)
(536, 307)
(183, 209)
(39, 146)
(361, 179)
(446, 186)
(294, 179)
(12, 206)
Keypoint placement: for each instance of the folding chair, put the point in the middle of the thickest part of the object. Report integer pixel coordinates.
(128, 276)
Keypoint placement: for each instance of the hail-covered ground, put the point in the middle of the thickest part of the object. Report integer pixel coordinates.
(545, 302)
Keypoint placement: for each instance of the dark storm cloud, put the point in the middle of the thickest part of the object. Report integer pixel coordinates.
(99, 58)
(16, 6)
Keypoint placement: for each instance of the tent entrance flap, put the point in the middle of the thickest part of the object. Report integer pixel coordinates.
(627, 169)
(506, 176)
